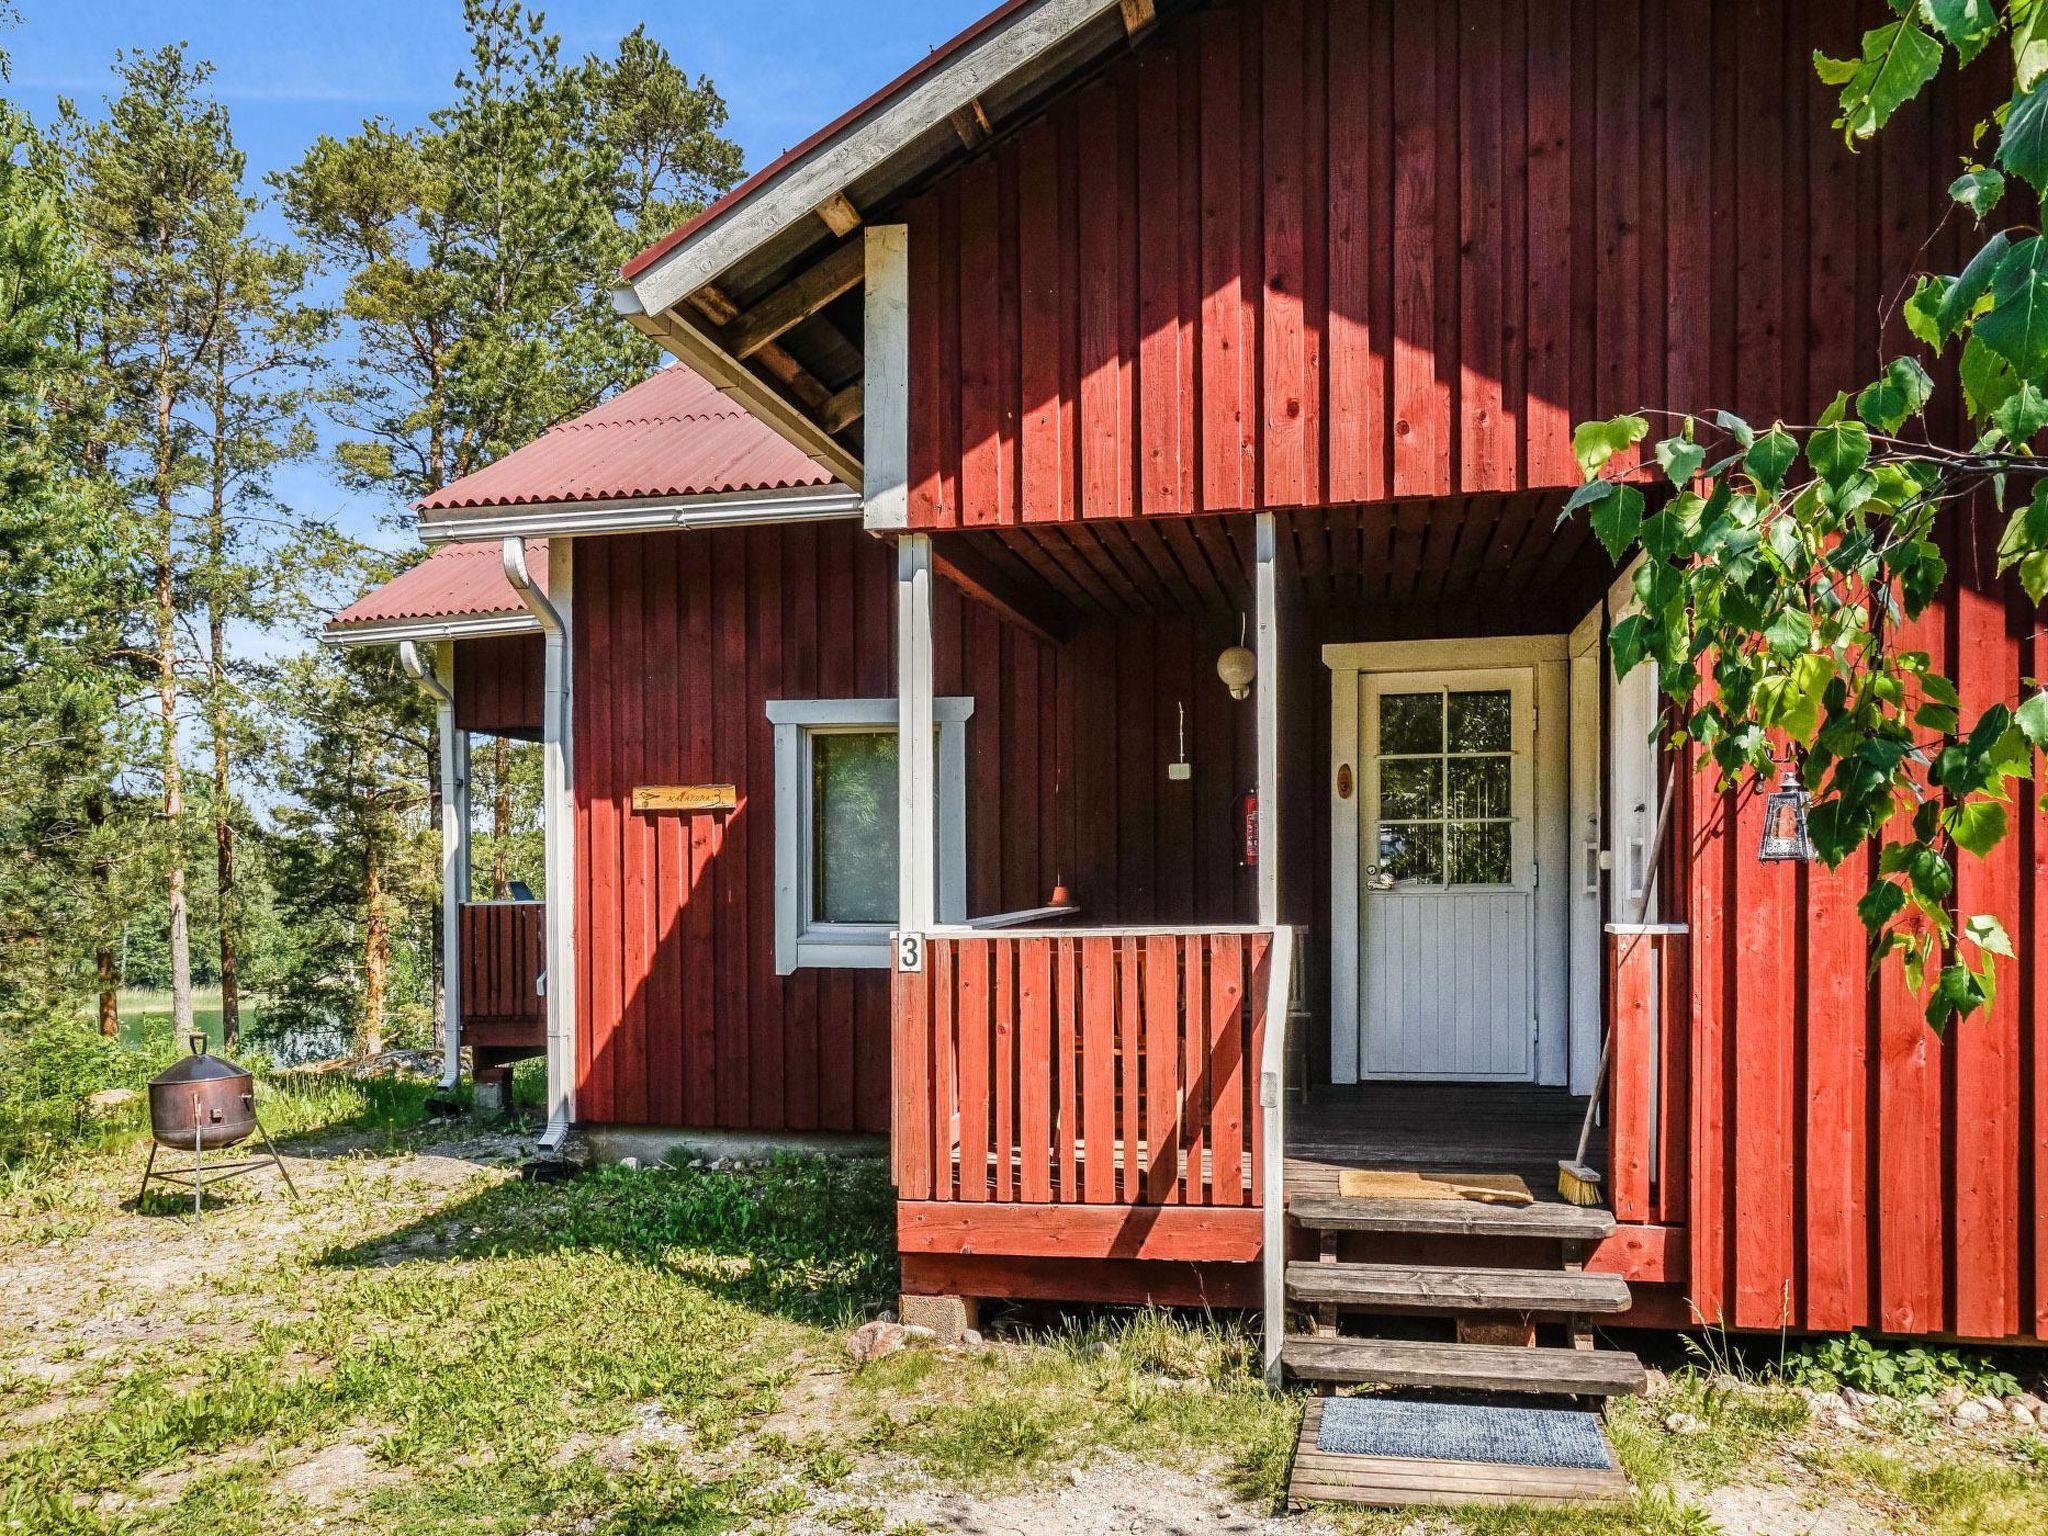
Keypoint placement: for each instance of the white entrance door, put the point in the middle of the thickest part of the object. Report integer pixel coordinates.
(1447, 887)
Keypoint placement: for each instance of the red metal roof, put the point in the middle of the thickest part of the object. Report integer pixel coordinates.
(774, 168)
(670, 435)
(456, 581)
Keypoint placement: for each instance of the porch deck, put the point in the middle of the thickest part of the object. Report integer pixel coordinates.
(1463, 1127)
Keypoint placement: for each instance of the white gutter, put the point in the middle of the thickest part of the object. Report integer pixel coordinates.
(559, 832)
(454, 850)
(643, 514)
(475, 626)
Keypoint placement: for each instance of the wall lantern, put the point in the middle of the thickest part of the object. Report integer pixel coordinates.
(1785, 840)
(1237, 666)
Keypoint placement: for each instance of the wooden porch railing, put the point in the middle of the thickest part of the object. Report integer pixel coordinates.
(1105, 1068)
(504, 950)
(1649, 1085)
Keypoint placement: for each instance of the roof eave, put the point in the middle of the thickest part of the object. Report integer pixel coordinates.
(467, 626)
(641, 514)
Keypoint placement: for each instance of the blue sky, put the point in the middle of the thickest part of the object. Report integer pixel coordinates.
(289, 72)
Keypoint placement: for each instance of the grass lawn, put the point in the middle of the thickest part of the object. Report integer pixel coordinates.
(429, 1344)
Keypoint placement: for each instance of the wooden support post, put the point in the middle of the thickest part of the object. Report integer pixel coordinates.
(885, 384)
(1266, 595)
(454, 864)
(916, 747)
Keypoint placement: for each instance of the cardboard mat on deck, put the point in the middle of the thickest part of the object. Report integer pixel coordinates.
(1400, 1184)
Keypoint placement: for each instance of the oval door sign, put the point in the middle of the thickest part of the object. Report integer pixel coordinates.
(1344, 781)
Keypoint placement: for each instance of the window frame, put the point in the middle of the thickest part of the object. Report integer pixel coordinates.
(802, 942)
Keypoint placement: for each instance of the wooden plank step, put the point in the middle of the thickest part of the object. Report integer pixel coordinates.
(1465, 1367)
(1456, 1287)
(1394, 1481)
(1550, 1219)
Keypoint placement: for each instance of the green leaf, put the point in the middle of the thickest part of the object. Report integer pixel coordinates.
(1790, 632)
(1590, 492)
(2022, 416)
(1617, 520)
(2023, 147)
(2029, 22)
(1880, 904)
(1988, 380)
(2016, 324)
(1977, 825)
(1967, 24)
(1897, 61)
(1923, 309)
(1971, 284)
(1978, 190)
(1988, 933)
(1770, 456)
(1903, 390)
(2032, 719)
(1735, 427)
(1680, 460)
(2027, 530)
(1629, 642)
(1595, 442)
(1791, 701)
(2034, 575)
(1958, 993)
(1837, 452)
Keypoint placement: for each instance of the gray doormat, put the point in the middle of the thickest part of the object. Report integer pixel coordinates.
(1522, 1437)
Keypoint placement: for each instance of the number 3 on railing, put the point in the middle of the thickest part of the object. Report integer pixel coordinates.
(909, 951)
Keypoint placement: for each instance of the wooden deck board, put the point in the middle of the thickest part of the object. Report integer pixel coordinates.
(1393, 1481)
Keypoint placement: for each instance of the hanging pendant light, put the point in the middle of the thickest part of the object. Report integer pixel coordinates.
(1785, 839)
(1237, 666)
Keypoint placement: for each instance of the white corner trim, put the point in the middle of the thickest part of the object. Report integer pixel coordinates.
(800, 943)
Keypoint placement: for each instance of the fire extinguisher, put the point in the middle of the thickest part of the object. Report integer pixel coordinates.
(1248, 814)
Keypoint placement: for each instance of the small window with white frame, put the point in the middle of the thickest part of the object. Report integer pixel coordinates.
(836, 843)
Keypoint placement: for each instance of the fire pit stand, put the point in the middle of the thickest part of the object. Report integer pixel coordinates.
(209, 1105)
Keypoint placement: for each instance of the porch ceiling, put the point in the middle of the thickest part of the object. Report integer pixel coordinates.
(1452, 565)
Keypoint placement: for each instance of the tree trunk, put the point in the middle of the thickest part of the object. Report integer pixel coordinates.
(110, 991)
(501, 818)
(224, 856)
(166, 637)
(376, 957)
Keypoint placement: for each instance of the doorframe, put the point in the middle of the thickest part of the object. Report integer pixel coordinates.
(1547, 656)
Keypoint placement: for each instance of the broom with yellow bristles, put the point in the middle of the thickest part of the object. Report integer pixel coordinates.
(1578, 1180)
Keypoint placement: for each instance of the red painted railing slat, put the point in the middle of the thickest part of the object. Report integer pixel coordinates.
(1030, 1068)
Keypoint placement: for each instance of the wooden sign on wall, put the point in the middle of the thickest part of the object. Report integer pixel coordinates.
(685, 797)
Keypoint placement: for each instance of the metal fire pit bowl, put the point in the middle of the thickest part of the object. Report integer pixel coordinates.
(202, 1104)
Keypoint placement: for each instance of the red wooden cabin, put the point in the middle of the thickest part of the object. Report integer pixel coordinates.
(1109, 339)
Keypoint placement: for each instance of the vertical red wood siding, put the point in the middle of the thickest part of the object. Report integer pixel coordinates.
(1304, 252)
(498, 681)
(681, 639)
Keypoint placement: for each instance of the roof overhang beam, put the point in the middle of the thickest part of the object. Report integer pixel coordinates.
(644, 514)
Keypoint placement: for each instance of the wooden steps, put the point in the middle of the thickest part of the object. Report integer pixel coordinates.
(1551, 1220)
(1459, 1288)
(1464, 1367)
(1395, 1482)
(1493, 1268)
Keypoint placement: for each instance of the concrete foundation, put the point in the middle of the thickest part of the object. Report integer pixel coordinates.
(668, 1144)
(948, 1317)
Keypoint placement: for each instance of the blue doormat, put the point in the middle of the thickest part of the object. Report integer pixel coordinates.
(1522, 1437)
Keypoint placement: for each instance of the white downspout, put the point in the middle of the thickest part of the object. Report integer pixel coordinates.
(454, 846)
(561, 961)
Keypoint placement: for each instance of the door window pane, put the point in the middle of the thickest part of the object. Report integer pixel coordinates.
(1412, 851)
(1481, 787)
(1411, 789)
(853, 826)
(1482, 722)
(1411, 722)
(1481, 852)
